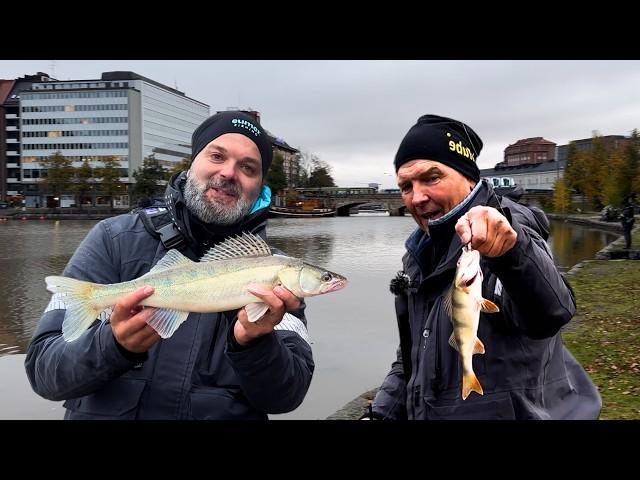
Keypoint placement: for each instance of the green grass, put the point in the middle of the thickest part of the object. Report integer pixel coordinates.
(604, 336)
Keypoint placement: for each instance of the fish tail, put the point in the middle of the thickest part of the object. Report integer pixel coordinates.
(76, 294)
(470, 384)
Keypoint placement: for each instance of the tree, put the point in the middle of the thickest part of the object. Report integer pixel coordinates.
(306, 163)
(59, 174)
(178, 167)
(82, 183)
(149, 178)
(320, 174)
(561, 196)
(573, 171)
(303, 178)
(630, 169)
(276, 178)
(596, 171)
(109, 174)
(613, 186)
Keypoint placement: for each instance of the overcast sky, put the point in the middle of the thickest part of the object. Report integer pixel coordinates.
(353, 114)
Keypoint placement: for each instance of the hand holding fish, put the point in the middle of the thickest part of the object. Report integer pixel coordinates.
(488, 231)
(129, 322)
(279, 300)
(220, 281)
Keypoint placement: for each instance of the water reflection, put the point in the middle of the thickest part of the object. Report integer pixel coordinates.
(29, 251)
(571, 244)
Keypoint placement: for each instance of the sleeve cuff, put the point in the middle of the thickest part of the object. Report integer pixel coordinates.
(234, 346)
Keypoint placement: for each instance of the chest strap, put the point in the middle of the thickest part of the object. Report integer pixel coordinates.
(157, 221)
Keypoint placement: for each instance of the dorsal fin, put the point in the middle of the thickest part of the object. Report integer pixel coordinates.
(248, 245)
(173, 258)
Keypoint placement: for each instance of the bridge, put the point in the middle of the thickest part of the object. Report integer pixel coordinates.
(343, 199)
(343, 202)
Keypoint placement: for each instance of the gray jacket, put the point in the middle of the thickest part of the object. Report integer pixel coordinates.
(198, 373)
(526, 372)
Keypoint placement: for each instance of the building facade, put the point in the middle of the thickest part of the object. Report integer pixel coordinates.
(11, 188)
(290, 160)
(533, 178)
(528, 151)
(122, 115)
(610, 142)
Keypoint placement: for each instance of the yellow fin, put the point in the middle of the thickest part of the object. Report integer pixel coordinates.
(487, 306)
(470, 384)
(478, 347)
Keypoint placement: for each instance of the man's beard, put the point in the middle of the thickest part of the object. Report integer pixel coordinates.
(210, 211)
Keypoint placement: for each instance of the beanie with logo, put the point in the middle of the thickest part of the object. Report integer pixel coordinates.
(443, 140)
(233, 122)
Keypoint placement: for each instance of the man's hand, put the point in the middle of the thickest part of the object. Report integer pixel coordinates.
(488, 231)
(279, 300)
(128, 322)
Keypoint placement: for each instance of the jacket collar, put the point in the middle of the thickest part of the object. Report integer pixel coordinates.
(438, 251)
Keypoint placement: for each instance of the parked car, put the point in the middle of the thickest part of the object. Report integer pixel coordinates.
(4, 204)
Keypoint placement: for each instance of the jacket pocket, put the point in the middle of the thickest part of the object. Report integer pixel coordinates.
(118, 400)
(496, 406)
(222, 404)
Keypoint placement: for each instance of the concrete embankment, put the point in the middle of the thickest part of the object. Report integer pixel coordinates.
(61, 214)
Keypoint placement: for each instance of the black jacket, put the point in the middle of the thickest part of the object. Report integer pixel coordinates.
(198, 373)
(526, 372)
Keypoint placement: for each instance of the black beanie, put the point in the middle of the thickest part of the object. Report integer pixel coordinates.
(443, 140)
(233, 122)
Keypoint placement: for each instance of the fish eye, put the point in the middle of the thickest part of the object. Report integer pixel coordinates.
(326, 276)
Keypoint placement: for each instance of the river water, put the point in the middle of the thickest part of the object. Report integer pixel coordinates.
(353, 331)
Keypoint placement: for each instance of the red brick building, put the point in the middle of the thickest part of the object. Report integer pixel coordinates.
(528, 151)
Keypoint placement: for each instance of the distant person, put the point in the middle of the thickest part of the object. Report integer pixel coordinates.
(627, 219)
(216, 365)
(520, 369)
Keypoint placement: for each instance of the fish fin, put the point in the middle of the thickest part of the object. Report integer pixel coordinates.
(173, 258)
(256, 310)
(79, 317)
(453, 343)
(478, 347)
(248, 245)
(447, 301)
(487, 306)
(75, 294)
(166, 321)
(470, 384)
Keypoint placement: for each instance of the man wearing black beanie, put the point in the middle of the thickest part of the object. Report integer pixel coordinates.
(519, 368)
(215, 365)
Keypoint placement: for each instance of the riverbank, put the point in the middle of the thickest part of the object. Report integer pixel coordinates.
(604, 334)
(59, 214)
(588, 219)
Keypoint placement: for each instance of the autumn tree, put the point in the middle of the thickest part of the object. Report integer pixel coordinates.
(109, 175)
(561, 196)
(82, 181)
(60, 173)
(149, 177)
